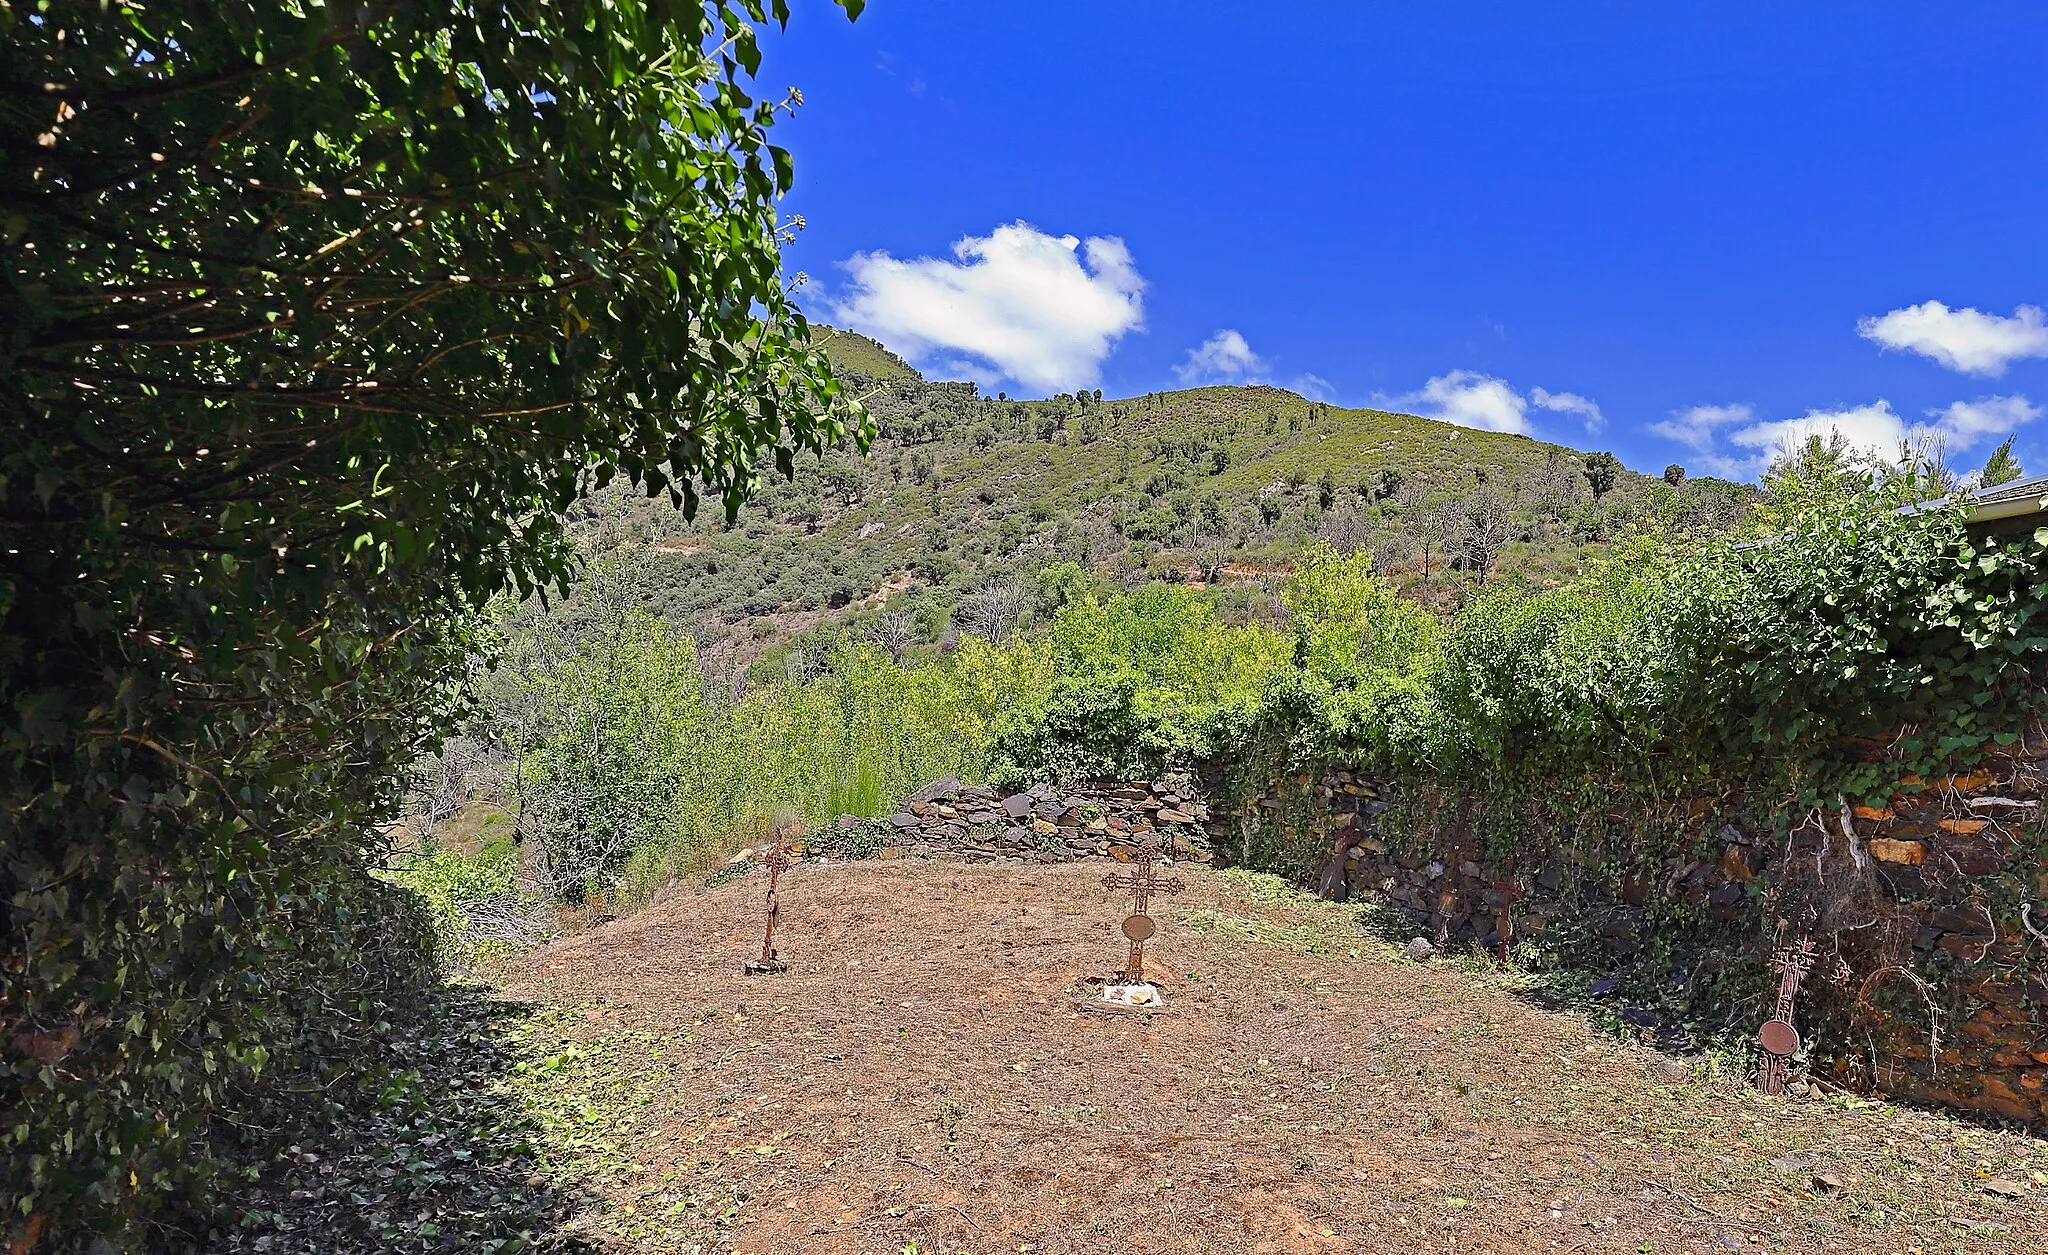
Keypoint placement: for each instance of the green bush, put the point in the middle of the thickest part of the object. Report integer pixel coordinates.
(317, 319)
(1140, 679)
(1773, 669)
(1859, 648)
(1087, 727)
(455, 889)
(625, 771)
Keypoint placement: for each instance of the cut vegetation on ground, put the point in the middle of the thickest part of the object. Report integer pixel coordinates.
(920, 1082)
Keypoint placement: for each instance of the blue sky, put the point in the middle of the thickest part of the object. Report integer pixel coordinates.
(1679, 232)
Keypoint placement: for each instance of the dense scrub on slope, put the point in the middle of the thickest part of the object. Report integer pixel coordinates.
(964, 497)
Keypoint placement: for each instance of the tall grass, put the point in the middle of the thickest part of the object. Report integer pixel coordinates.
(627, 774)
(854, 740)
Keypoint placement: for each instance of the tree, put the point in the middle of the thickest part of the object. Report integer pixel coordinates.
(1601, 472)
(894, 631)
(1346, 530)
(846, 482)
(1326, 489)
(2002, 468)
(1823, 470)
(1708, 505)
(1674, 474)
(994, 610)
(1557, 487)
(315, 319)
(598, 727)
(1487, 525)
(1435, 526)
(1060, 584)
(1390, 551)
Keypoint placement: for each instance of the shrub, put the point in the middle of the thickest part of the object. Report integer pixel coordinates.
(317, 319)
(1770, 670)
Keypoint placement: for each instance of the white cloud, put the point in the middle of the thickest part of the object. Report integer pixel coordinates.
(1471, 399)
(1313, 386)
(1225, 357)
(1701, 428)
(1698, 426)
(1985, 420)
(1017, 304)
(1570, 403)
(1966, 340)
(1875, 429)
(1729, 440)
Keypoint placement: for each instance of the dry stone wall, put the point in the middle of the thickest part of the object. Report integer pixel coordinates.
(1931, 913)
(1044, 824)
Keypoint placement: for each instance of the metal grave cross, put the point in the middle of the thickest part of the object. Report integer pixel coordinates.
(1779, 1036)
(1509, 890)
(1138, 927)
(777, 861)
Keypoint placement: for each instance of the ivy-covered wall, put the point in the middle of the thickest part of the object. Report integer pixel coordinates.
(1927, 913)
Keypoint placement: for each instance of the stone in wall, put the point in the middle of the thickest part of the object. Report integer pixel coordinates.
(1955, 853)
(1047, 824)
(1943, 852)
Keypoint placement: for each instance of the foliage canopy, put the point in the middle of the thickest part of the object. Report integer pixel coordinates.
(316, 319)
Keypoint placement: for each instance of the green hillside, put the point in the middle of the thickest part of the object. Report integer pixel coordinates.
(858, 357)
(968, 496)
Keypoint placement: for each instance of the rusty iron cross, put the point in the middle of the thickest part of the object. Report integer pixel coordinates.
(1509, 891)
(1138, 927)
(1780, 1037)
(777, 861)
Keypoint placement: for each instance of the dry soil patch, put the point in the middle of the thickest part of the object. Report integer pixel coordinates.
(920, 1077)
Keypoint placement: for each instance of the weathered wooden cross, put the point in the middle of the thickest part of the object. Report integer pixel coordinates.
(1780, 1037)
(769, 964)
(1138, 927)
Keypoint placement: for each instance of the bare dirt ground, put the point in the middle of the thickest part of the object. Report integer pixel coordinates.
(919, 1082)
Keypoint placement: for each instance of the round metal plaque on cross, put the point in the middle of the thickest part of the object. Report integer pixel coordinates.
(1139, 927)
(1779, 1037)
